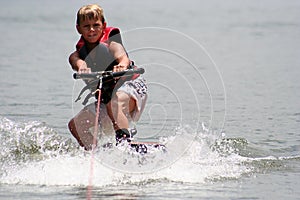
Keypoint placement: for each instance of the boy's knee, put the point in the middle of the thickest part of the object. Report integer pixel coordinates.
(120, 98)
(122, 95)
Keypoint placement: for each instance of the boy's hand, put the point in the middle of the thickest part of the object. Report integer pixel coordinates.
(84, 71)
(119, 68)
(83, 68)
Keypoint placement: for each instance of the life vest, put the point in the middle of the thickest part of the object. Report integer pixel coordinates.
(109, 34)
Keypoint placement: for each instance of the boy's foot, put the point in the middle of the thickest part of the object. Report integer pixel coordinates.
(124, 135)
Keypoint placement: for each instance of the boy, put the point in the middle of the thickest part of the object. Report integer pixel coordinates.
(100, 49)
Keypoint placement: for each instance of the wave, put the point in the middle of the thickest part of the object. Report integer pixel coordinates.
(33, 153)
(24, 142)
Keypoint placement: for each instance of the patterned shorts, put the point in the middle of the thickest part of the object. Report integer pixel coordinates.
(136, 89)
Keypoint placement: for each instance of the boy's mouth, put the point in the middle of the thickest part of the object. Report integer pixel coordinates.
(93, 37)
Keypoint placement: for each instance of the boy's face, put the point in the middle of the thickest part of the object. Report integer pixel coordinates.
(91, 29)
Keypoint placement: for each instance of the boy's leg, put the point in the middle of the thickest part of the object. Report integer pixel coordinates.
(119, 109)
(79, 127)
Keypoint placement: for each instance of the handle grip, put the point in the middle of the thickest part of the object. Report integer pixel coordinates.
(128, 72)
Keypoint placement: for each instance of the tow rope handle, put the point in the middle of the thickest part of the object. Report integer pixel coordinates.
(99, 76)
(103, 74)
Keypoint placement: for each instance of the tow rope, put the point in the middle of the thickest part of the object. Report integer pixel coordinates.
(91, 175)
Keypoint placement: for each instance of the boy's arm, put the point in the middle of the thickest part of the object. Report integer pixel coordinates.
(77, 63)
(115, 48)
(120, 55)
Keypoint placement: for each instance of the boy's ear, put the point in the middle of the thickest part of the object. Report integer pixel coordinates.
(104, 25)
(78, 29)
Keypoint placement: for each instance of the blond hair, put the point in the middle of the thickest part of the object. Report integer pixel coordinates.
(92, 11)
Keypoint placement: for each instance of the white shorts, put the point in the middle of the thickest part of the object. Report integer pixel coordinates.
(136, 89)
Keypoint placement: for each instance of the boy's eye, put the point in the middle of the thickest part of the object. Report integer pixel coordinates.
(94, 26)
(97, 26)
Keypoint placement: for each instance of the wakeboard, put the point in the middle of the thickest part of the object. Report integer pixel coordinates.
(139, 146)
(146, 147)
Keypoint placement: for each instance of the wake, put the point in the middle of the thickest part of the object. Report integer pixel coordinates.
(33, 153)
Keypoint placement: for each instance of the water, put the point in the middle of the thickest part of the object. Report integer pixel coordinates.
(224, 91)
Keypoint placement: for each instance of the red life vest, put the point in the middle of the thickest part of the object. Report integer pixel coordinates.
(109, 34)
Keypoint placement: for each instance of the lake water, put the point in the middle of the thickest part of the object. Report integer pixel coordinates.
(223, 97)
